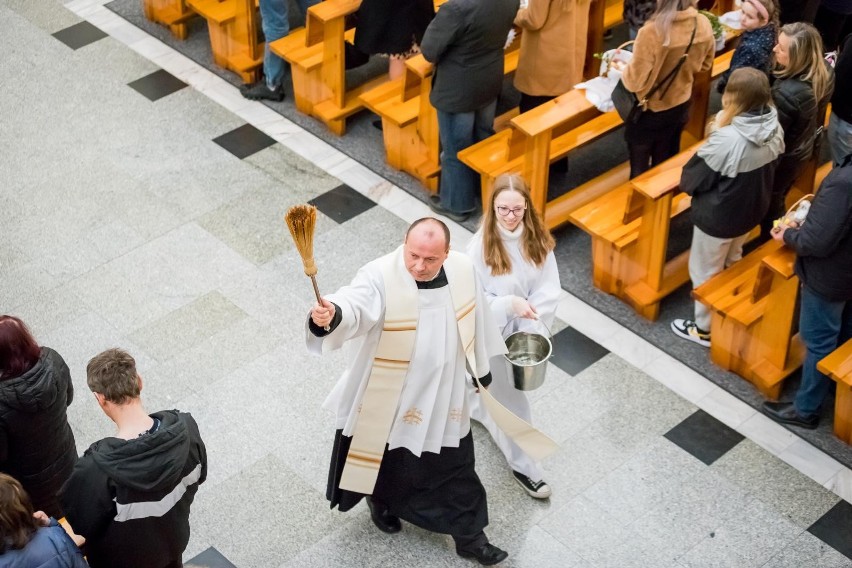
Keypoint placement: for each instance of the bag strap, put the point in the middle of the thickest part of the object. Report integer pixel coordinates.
(670, 77)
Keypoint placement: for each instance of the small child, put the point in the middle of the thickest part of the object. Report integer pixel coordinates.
(760, 22)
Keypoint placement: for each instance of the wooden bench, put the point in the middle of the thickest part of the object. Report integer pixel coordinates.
(410, 123)
(233, 35)
(603, 15)
(753, 304)
(838, 366)
(171, 13)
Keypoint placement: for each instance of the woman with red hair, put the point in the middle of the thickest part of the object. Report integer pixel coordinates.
(36, 443)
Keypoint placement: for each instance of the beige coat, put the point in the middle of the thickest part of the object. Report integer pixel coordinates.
(553, 46)
(652, 61)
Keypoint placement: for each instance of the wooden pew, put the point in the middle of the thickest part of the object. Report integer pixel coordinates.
(410, 123)
(233, 35)
(629, 227)
(753, 304)
(316, 55)
(171, 13)
(838, 366)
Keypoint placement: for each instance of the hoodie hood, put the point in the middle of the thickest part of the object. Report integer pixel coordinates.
(152, 462)
(751, 141)
(34, 391)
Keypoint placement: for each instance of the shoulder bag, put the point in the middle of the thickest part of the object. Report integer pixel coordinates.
(629, 107)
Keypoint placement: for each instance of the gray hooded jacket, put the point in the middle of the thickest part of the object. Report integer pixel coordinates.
(730, 177)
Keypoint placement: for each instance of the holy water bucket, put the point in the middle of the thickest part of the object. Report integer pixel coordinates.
(529, 348)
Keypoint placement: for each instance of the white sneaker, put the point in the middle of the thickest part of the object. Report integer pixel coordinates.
(536, 489)
(690, 331)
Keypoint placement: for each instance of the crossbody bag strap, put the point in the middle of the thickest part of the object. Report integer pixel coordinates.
(670, 77)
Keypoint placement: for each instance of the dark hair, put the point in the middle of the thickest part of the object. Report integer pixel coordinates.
(17, 524)
(113, 374)
(443, 226)
(19, 351)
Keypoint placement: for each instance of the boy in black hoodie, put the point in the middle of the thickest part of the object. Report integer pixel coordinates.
(129, 495)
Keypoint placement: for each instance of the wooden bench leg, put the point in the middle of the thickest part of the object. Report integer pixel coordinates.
(843, 413)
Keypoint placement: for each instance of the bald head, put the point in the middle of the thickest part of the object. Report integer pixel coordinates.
(427, 243)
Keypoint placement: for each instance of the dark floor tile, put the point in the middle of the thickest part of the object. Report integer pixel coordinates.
(210, 558)
(342, 203)
(79, 35)
(573, 351)
(244, 141)
(157, 85)
(835, 528)
(704, 437)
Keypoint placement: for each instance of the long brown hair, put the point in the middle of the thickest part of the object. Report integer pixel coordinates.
(806, 59)
(536, 240)
(665, 14)
(19, 351)
(17, 524)
(747, 89)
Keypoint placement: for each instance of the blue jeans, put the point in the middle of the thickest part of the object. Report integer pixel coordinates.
(839, 138)
(459, 184)
(824, 325)
(274, 16)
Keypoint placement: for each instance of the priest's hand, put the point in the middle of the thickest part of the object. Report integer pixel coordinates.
(322, 314)
(523, 309)
(41, 518)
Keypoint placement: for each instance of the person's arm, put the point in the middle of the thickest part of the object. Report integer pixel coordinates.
(786, 106)
(4, 447)
(442, 32)
(697, 177)
(546, 290)
(87, 499)
(827, 223)
(63, 370)
(639, 74)
(534, 16)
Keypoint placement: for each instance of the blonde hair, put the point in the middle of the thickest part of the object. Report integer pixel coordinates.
(747, 89)
(806, 62)
(536, 240)
(665, 14)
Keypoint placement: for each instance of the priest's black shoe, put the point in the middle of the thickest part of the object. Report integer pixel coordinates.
(382, 519)
(785, 413)
(487, 554)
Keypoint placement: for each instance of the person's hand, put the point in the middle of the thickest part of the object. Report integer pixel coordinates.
(777, 233)
(523, 309)
(322, 314)
(42, 518)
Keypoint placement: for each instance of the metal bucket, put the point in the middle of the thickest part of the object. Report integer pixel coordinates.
(528, 352)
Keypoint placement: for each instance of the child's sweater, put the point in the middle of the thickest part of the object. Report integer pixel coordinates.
(754, 50)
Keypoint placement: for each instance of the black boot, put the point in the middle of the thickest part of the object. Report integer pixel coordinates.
(382, 519)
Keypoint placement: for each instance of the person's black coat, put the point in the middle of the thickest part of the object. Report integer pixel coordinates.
(36, 443)
(824, 243)
(800, 114)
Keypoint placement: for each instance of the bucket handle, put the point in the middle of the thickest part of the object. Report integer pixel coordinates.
(539, 320)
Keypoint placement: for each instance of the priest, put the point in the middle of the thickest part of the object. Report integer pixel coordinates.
(415, 320)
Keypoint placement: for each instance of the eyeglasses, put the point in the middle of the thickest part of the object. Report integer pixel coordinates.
(504, 211)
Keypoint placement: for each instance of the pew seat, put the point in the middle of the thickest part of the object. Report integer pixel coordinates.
(173, 14)
(232, 26)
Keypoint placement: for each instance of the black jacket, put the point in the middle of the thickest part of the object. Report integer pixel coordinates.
(824, 243)
(730, 177)
(465, 43)
(800, 114)
(841, 100)
(130, 499)
(36, 443)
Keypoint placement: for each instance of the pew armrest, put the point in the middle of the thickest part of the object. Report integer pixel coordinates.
(838, 365)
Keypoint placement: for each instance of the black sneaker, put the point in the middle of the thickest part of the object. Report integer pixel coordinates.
(690, 331)
(487, 554)
(537, 489)
(260, 91)
(435, 205)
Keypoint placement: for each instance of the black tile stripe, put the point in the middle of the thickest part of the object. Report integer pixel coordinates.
(244, 141)
(210, 558)
(157, 85)
(342, 203)
(573, 351)
(79, 35)
(704, 437)
(835, 528)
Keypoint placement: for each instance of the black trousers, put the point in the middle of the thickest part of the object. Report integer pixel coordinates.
(655, 137)
(529, 102)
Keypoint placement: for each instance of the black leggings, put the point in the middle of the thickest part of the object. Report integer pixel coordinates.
(655, 137)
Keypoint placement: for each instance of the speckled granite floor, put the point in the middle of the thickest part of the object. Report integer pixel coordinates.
(139, 212)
